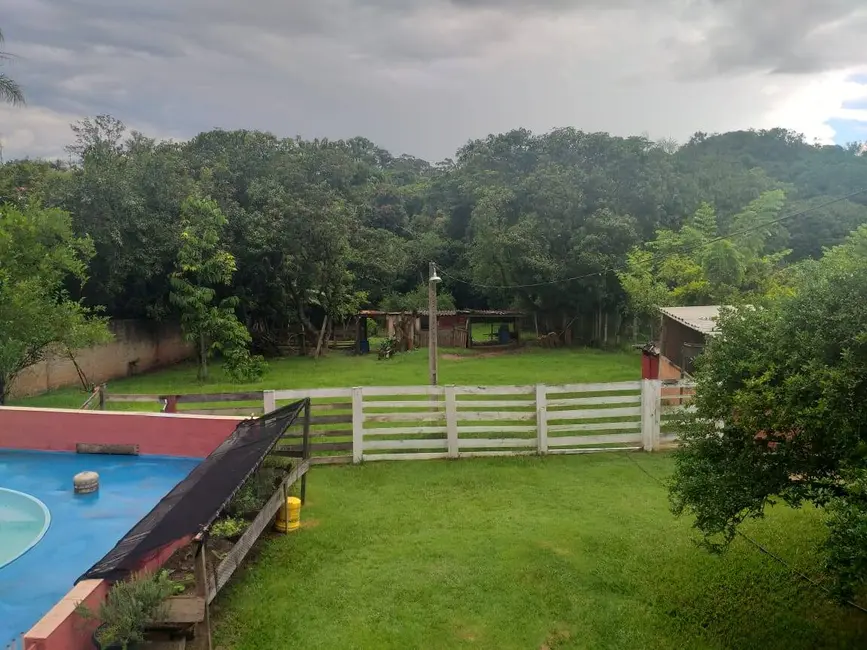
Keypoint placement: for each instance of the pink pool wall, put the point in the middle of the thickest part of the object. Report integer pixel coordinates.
(155, 433)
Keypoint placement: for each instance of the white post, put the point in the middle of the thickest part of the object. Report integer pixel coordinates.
(651, 398)
(357, 425)
(541, 419)
(452, 421)
(269, 401)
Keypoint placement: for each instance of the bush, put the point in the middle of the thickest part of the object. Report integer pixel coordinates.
(130, 606)
(228, 528)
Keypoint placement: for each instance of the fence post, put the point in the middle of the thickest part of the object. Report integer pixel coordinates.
(651, 403)
(269, 401)
(357, 425)
(452, 421)
(541, 419)
(102, 397)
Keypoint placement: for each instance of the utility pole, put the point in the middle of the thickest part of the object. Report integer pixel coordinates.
(432, 322)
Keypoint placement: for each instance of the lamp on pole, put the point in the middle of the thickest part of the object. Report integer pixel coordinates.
(432, 322)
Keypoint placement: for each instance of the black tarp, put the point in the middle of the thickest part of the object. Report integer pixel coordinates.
(196, 501)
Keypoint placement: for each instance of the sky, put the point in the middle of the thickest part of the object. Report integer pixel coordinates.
(425, 76)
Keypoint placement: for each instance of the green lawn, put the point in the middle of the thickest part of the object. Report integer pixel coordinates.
(524, 553)
(338, 369)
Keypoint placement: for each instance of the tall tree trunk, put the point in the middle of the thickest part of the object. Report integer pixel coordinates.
(203, 358)
(2, 390)
(605, 329)
(321, 338)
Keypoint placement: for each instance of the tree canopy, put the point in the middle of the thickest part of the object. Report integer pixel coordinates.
(536, 221)
(39, 256)
(781, 411)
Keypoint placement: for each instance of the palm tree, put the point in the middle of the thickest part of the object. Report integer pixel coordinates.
(10, 91)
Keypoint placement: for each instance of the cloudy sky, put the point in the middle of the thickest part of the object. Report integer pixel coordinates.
(424, 76)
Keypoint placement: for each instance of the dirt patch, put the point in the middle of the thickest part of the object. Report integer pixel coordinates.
(309, 523)
(182, 564)
(556, 639)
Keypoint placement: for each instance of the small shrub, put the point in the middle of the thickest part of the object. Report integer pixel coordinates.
(130, 606)
(228, 528)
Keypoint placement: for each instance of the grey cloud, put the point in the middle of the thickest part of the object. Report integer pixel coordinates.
(414, 75)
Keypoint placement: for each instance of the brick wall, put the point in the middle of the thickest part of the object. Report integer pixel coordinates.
(137, 346)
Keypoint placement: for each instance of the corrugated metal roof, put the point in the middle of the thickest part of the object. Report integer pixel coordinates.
(701, 318)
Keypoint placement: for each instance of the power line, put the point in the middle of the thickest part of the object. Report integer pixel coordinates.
(686, 249)
(761, 548)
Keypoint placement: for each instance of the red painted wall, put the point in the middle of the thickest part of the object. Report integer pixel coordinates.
(155, 433)
(61, 628)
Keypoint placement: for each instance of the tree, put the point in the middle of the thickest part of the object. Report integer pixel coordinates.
(10, 91)
(694, 266)
(203, 266)
(38, 255)
(781, 412)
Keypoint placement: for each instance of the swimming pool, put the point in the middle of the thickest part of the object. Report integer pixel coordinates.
(78, 529)
(23, 521)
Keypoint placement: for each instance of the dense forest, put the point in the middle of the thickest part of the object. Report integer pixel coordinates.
(582, 228)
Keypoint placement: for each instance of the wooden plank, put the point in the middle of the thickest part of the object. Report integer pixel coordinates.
(402, 404)
(609, 438)
(493, 403)
(111, 397)
(495, 390)
(428, 416)
(400, 431)
(269, 402)
(231, 410)
(587, 414)
(183, 609)
(331, 419)
(313, 393)
(357, 425)
(631, 425)
(406, 456)
(541, 419)
(452, 421)
(203, 626)
(492, 416)
(386, 391)
(482, 443)
(404, 444)
(586, 401)
(220, 397)
(103, 448)
(332, 460)
(596, 388)
(332, 406)
(514, 428)
(319, 433)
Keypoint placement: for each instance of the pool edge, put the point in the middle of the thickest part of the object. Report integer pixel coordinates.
(45, 511)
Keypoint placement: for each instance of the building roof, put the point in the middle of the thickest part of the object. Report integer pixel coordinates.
(701, 318)
(449, 312)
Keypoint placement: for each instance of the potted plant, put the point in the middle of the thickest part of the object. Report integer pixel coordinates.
(130, 606)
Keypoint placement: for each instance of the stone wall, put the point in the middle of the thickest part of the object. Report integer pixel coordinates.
(138, 346)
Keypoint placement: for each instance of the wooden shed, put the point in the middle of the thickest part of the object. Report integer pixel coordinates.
(684, 333)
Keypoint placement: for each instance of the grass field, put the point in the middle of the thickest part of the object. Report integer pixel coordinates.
(525, 553)
(525, 366)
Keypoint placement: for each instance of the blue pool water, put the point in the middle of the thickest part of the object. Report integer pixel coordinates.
(82, 528)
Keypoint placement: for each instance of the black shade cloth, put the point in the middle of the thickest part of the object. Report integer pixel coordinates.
(196, 501)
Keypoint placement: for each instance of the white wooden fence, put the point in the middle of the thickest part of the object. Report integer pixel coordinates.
(424, 422)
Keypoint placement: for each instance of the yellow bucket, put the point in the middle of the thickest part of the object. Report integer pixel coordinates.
(289, 515)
